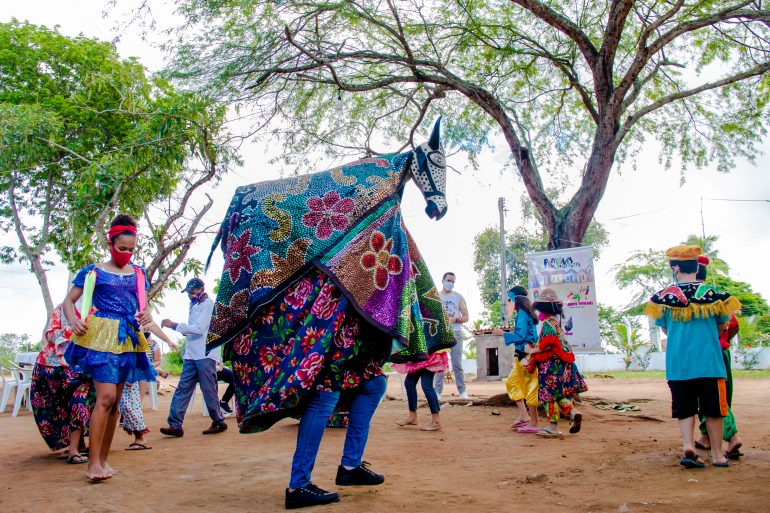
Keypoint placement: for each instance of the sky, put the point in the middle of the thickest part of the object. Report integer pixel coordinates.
(643, 207)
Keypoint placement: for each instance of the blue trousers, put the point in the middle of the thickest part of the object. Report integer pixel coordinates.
(313, 423)
(195, 371)
(426, 380)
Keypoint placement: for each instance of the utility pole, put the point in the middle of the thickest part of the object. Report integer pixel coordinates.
(503, 279)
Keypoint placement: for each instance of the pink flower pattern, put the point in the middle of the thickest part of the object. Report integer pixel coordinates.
(238, 255)
(327, 214)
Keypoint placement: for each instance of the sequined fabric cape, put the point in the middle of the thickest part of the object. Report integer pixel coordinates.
(346, 221)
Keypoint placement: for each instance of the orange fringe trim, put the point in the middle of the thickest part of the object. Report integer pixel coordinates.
(684, 314)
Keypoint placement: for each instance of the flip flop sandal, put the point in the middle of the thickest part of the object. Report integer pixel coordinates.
(691, 460)
(724, 464)
(527, 430)
(702, 447)
(137, 447)
(518, 424)
(735, 454)
(76, 459)
(547, 433)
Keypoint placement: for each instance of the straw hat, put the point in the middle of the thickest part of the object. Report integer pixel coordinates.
(683, 252)
(548, 296)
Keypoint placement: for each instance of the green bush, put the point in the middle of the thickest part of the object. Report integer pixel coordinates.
(172, 361)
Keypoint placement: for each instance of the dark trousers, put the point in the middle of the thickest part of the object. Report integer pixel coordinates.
(426, 380)
(228, 377)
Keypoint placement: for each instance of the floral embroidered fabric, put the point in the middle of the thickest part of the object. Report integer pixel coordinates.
(309, 338)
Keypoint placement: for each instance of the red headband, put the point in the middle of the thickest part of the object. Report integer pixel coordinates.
(119, 229)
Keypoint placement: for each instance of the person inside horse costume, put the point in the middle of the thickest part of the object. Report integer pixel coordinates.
(322, 284)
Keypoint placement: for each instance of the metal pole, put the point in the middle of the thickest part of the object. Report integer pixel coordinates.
(503, 279)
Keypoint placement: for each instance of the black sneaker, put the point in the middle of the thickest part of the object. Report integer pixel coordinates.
(359, 476)
(309, 495)
(225, 407)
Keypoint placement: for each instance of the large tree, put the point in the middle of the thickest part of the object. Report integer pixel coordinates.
(85, 134)
(572, 86)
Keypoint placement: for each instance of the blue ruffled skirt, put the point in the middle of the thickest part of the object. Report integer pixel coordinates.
(106, 367)
(111, 351)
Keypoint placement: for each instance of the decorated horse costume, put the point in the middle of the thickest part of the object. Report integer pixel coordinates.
(322, 283)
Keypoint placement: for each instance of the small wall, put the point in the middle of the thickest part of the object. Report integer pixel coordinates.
(485, 342)
(600, 362)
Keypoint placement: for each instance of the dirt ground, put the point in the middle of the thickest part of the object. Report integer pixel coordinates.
(618, 462)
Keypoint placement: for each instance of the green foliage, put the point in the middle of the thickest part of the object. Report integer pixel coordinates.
(12, 343)
(85, 134)
(172, 360)
(580, 85)
(630, 344)
(608, 319)
(643, 273)
(751, 333)
(752, 303)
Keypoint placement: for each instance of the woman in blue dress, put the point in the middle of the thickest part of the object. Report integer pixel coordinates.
(108, 344)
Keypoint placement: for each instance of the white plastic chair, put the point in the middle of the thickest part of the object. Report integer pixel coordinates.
(403, 386)
(204, 410)
(9, 380)
(24, 384)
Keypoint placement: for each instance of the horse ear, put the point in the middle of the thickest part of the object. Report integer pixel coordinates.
(434, 141)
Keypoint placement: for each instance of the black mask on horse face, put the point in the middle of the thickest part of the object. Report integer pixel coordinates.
(428, 171)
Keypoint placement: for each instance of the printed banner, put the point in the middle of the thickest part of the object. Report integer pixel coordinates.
(570, 273)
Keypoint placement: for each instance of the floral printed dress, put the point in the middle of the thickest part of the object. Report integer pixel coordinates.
(307, 339)
(558, 377)
(62, 399)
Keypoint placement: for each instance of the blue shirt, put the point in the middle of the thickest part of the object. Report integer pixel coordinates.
(524, 332)
(692, 349)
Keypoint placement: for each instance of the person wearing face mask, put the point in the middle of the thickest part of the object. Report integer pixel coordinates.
(198, 366)
(559, 380)
(693, 315)
(457, 311)
(108, 343)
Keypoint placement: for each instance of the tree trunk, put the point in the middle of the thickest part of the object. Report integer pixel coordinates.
(571, 221)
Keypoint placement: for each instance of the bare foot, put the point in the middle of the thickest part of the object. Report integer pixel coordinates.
(106, 467)
(95, 473)
(409, 421)
(703, 443)
(734, 446)
(431, 426)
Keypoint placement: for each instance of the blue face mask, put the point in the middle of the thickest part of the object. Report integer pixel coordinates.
(197, 298)
(448, 285)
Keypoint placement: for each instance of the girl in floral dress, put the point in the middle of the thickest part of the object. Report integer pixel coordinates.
(558, 377)
(62, 399)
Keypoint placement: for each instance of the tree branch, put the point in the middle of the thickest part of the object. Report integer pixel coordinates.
(632, 119)
(563, 25)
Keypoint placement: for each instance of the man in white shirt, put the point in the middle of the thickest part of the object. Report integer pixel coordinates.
(197, 367)
(457, 311)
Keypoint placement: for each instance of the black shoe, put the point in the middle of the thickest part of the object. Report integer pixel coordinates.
(309, 495)
(216, 427)
(172, 431)
(359, 476)
(225, 407)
